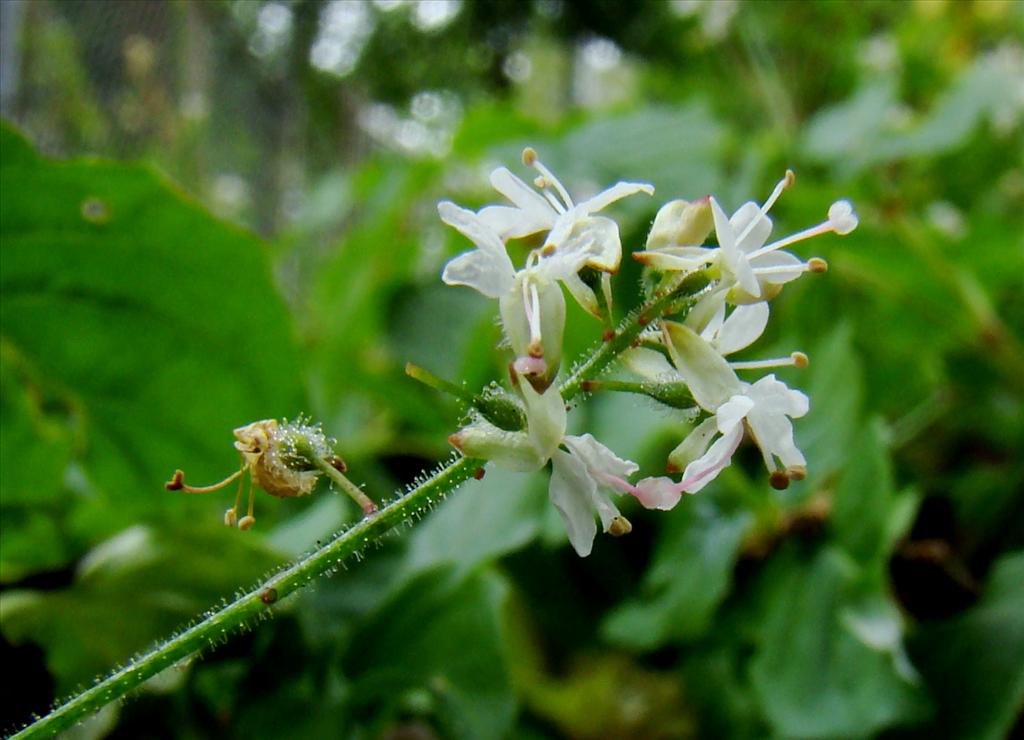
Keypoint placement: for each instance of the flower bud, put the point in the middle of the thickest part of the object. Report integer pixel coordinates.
(681, 223)
(484, 441)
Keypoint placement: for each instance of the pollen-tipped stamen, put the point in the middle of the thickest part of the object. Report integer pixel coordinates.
(530, 159)
(781, 185)
(841, 220)
(177, 483)
(795, 359)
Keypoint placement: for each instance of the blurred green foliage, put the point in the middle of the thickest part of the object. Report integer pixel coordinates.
(881, 596)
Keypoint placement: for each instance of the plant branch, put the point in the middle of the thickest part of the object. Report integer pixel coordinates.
(257, 601)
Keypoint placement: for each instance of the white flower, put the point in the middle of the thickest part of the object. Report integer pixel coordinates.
(576, 238)
(764, 407)
(751, 269)
(758, 269)
(584, 470)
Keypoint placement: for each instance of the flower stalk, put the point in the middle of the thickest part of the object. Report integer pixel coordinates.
(253, 605)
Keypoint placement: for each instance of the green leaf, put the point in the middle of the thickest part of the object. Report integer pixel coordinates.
(129, 591)
(149, 328)
(440, 639)
(864, 496)
(817, 672)
(482, 521)
(974, 663)
(690, 574)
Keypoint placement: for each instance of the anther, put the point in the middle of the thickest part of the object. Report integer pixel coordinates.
(177, 481)
(547, 250)
(246, 522)
(619, 526)
(842, 218)
(790, 178)
(817, 265)
(479, 473)
(800, 359)
(230, 517)
(541, 182)
(529, 156)
(779, 480)
(796, 472)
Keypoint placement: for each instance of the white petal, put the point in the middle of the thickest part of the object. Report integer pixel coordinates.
(477, 270)
(775, 260)
(616, 192)
(583, 294)
(676, 259)
(743, 327)
(603, 246)
(598, 458)
(773, 433)
(774, 396)
(695, 444)
(571, 491)
(723, 229)
(658, 493)
(759, 234)
(545, 418)
(509, 222)
(522, 195)
(491, 273)
(706, 372)
(732, 412)
(706, 468)
(706, 318)
(745, 276)
(650, 364)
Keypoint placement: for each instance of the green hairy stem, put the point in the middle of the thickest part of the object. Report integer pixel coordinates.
(211, 631)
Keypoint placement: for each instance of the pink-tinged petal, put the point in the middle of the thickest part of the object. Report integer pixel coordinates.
(706, 468)
(740, 222)
(695, 444)
(598, 459)
(706, 372)
(618, 191)
(743, 327)
(571, 491)
(658, 493)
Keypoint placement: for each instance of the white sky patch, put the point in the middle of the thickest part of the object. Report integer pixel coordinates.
(345, 26)
(433, 15)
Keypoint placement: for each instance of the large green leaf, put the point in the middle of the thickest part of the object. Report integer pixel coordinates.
(974, 663)
(443, 638)
(823, 669)
(128, 591)
(138, 324)
(690, 574)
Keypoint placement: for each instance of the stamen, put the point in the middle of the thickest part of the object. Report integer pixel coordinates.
(796, 359)
(781, 185)
(779, 480)
(533, 316)
(803, 267)
(177, 483)
(619, 526)
(529, 156)
(842, 217)
(552, 181)
(825, 227)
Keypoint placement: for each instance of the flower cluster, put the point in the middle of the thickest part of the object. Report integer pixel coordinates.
(685, 346)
